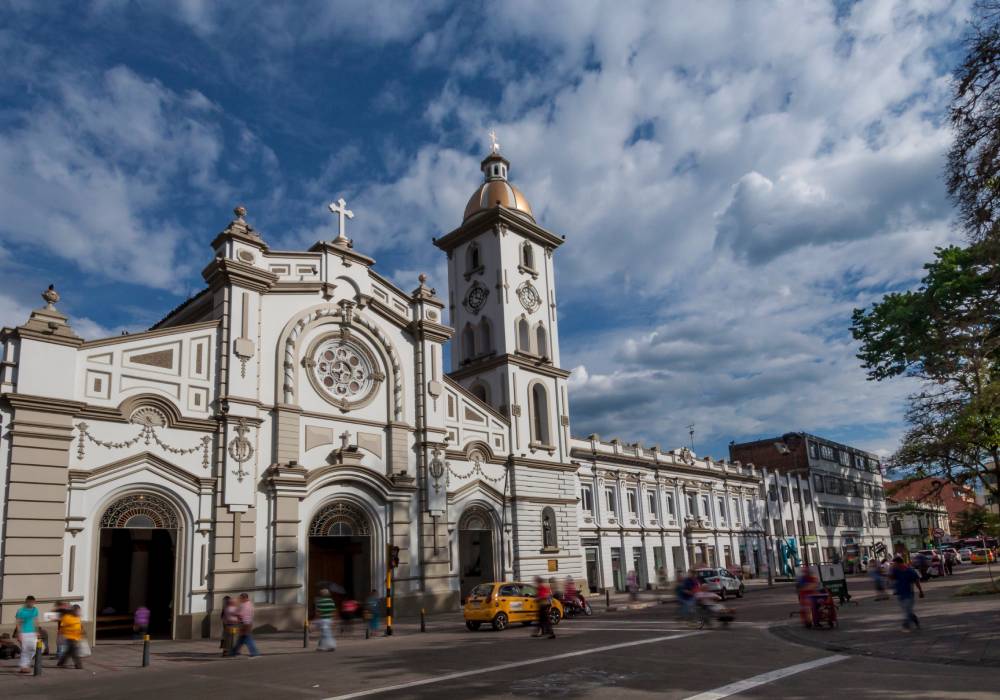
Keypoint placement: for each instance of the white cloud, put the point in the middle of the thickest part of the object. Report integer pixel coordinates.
(787, 169)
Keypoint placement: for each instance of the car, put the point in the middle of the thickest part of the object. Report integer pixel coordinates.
(931, 557)
(982, 556)
(965, 554)
(720, 581)
(502, 602)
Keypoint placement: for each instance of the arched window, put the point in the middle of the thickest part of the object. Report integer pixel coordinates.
(523, 335)
(468, 343)
(539, 414)
(550, 538)
(485, 337)
(541, 341)
(481, 392)
(527, 256)
(473, 258)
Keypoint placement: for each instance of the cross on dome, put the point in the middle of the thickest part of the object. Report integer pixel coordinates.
(339, 208)
(494, 144)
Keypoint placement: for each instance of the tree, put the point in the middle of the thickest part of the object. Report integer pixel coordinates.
(973, 170)
(978, 521)
(946, 334)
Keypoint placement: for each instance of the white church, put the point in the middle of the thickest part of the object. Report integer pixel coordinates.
(293, 424)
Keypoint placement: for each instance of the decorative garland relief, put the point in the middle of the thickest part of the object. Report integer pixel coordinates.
(149, 419)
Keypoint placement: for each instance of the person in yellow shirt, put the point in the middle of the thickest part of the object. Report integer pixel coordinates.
(72, 632)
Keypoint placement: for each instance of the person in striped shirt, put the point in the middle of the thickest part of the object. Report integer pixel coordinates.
(325, 610)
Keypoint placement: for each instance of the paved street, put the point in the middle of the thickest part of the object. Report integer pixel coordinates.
(626, 653)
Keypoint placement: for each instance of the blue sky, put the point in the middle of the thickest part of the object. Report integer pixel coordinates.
(732, 179)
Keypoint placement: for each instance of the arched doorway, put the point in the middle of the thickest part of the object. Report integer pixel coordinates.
(340, 551)
(136, 565)
(475, 549)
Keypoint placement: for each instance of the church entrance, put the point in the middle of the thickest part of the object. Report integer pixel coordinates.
(475, 549)
(136, 566)
(340, 553)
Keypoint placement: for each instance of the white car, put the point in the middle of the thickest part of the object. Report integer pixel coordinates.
(720, 581)
(965, 554)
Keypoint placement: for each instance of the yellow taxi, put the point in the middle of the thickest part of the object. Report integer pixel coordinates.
(500, 604)
(982, 556)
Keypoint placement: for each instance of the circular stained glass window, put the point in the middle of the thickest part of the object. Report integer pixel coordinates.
(343, 370)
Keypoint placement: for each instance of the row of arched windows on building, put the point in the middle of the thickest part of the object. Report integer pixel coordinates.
(477, 339)
(474, 257)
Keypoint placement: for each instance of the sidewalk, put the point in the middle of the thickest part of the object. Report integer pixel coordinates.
(964, 631)
(115, 656)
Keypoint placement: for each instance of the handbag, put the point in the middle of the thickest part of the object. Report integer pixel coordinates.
(83, 648)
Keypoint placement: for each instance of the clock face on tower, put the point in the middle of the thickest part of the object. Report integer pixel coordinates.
(475, 298)
(528, 296)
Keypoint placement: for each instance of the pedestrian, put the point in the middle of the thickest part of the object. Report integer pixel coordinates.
(325, 610)
(61, 608)
(687, 591)
(633, 585)
(543, 598)
(26, 632)
(904, 578)
(72, 633)
(245, 614)
(875, 574)
(374, 606)
(949, 563)
(140, 622)
(807, 586)
(230, 624)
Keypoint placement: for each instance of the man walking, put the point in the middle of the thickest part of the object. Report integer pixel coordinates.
(72, 633)
(246, 628)
(904, 579)
(27, 632)
(325, 609)
(543, 597)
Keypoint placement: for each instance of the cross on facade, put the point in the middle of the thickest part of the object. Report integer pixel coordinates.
(340, 209)
(344, 437)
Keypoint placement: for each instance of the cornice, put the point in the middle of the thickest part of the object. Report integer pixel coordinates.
(296, 288)
(479, 366)
(223, 271)
(31, 402)
(486, 220)
(342, 251)
(431, 330)
(153, 333)
(539, 464)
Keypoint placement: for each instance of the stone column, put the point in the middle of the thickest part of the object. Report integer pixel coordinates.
(40, 438)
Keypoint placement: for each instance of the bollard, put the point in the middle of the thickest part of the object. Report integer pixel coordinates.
(145, 650)
(607, 597)
(423, 620)
(39, 648)
(305, 634)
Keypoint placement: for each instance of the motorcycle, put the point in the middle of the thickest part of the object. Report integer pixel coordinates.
(576, 606)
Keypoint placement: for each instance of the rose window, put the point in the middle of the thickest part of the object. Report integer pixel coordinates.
(343, 370)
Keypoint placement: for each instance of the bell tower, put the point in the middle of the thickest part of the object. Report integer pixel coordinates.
(503, 307)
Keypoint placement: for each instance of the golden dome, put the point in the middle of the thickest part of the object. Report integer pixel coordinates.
(494, 192)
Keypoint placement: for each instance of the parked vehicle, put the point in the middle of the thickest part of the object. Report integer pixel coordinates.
(720, 581)
(965, 554)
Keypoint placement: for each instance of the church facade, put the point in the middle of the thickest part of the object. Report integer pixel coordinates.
(293, 426)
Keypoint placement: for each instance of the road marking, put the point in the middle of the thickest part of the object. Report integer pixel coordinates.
(504, 667)
(764, 678)
(626, 629)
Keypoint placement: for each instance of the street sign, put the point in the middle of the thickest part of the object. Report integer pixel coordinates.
(938, 532)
